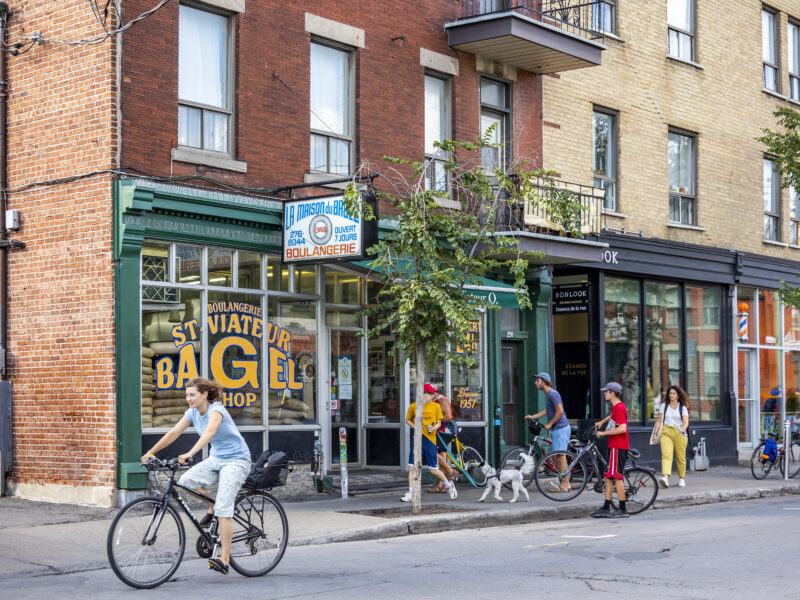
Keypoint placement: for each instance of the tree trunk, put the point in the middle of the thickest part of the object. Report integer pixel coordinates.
(416, 495)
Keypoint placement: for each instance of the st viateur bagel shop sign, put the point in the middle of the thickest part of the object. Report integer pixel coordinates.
(319, 229)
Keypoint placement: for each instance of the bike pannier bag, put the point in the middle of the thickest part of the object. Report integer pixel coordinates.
(269, 471)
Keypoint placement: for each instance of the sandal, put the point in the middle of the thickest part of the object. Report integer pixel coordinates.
(207, 518)
(217, 565)
(435, 490)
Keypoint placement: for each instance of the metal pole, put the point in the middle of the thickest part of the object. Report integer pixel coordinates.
(787, 446)
(343, 460)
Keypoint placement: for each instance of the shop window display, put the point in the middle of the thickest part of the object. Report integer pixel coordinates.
(621, 314)
(703, 352)
(466, 381)
(770, 390)
(664, 338)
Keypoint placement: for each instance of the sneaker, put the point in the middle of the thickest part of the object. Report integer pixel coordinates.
(663, 481)
(681, 482)
(407, 497)
(452, 492)
(619, 514)
(602, 513)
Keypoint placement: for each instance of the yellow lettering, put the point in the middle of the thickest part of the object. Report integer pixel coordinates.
(293, 385)
(233, 324)
(213, 324)
(250, 367)
(247, 322)
(272, 333)
(251, 398)
(178, 336)
(276, 358)
(187, 365)
(190, 325)
(283, 340)
(227, 399)
(257, 328)
(164, 377)
(238, 400)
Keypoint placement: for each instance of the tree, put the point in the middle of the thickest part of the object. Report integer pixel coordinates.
(785, 146)
(425, 262)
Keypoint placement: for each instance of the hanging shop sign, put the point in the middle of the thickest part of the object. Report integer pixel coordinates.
(569, 299)
(321, 230)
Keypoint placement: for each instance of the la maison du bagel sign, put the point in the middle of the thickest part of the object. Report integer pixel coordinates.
(321, 230)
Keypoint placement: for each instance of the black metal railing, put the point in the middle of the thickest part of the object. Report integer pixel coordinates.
(576, 16)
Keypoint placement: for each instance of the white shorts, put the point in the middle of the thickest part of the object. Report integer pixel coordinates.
(231, 475)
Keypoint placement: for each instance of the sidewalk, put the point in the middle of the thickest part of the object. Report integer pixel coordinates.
(41, 538)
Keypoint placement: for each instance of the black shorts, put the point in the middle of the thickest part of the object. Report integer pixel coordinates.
(439, 438)
(616, 463)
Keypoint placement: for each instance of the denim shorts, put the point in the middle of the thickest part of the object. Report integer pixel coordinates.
(560, 438)
(430, 458)
(230, 474)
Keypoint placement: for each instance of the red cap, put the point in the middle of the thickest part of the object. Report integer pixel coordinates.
(430, 389)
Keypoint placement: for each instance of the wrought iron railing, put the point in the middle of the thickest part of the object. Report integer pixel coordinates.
(576, 16)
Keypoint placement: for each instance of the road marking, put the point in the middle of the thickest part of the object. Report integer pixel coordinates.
(590, 537)
(545, 545)
(784, 508)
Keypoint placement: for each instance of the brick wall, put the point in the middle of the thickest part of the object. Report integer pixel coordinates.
(61, 295)
(722, 102)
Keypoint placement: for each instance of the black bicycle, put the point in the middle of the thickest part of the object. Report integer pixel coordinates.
(536, 449)
(761, 464)
(147, 538)
(583, 461)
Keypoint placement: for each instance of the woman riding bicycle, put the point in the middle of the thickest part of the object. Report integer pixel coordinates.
(228, 462)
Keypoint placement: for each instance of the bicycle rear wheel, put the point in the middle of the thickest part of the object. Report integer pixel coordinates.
(549, 476)
(145, 543)
(641, 489)
(794, 459)
(260, 533)
(513, 460)
(759, 467)
(471, 458)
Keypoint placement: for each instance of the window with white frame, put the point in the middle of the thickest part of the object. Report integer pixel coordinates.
(604, 16)
(331, 109)
(794, 215)
(604, 134)
(772, 201)
(769, 49)
(204, 81)
(495, 114)
(794, 61)
(682, 181)
(437, 128)
(681, 28)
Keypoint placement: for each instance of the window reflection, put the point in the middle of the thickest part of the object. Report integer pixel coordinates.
(703, 352)
(621, 315)
(663, 342)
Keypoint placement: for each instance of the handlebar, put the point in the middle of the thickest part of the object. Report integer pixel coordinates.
(156, 464)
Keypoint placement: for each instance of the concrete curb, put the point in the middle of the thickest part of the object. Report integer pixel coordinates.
(498, 518)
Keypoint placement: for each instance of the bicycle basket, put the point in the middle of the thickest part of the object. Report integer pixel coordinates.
(534, 427)
(269, 471)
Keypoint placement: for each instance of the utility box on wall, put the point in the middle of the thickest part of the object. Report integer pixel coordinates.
(5, 433)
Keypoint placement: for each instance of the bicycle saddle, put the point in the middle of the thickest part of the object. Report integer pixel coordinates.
(634, 453)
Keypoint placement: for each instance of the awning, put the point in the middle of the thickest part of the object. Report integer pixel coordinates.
(491, 292)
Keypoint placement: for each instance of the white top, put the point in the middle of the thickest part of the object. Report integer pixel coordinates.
(672, 417)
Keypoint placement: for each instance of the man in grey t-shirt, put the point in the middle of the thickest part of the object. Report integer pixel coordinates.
(557, 422)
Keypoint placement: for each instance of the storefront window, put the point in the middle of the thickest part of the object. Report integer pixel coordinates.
(621, 317)
(770, 390)
(792, 366)
(220, 263)
(383, 368)
(663, 305)
(292, 338)
(466, 382)
(342, 288)
(249, 270)
(744, 396)
(188, 263)
(703, 352)
(277, 274)
(769, 322)
(338, 317)
(745, 324)
(791, 326)
(305, 280)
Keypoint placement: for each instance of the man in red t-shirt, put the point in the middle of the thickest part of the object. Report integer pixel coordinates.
(617, 434)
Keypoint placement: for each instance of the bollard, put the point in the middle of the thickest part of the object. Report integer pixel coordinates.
(787, 446)
(343, 460)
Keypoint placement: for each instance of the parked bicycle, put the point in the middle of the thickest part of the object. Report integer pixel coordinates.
(465, 460)
(584, 462)
(537, 449)
(147, 538)
(762, 461)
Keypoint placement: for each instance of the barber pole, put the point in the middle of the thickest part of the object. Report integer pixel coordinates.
(742, 320)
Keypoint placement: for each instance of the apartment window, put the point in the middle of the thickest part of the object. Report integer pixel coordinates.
(204, 87)
(437, 128)
(794, 214)
(794, 61)
(682, 181)
(772, 201)
(680, 21)
(769, 49)
(604, 16)
(605, 156)
(331, 109)
(495, 111)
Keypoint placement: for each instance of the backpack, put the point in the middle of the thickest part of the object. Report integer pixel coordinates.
(770, 452)
(269, 471)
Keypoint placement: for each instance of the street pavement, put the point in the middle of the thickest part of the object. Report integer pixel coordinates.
(723, 551)
(44, 539)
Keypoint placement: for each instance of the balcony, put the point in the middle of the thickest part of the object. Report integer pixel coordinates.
(540, 36)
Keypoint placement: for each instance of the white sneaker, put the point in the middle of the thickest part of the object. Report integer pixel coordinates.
(681, 482)
(407, 497)
(663, 481)
(452, 492)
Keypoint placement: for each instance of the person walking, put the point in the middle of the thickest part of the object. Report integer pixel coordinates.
(618, 445)
(444, 435)
(673, 425)
(557, 423)
(431, 421)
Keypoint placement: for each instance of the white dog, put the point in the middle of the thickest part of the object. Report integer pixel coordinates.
(493, 480)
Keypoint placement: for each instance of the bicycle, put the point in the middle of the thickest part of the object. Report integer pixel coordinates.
(537, 449)
(147, 538)
(761, 466)
(465, 459)
(583, 462)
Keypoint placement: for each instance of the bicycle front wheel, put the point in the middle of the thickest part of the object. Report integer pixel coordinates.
(794, 459)
(557, 469)
(470, 459)
(641, 489)
(758, 466)
(145, 543)
(260, 533)
(513, 460)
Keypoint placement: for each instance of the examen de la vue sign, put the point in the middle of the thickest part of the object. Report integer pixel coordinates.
(320, 229)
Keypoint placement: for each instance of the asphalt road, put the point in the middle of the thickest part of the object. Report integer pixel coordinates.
(730, 550)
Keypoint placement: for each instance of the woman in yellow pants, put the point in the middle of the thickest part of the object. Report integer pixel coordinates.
(673, 417)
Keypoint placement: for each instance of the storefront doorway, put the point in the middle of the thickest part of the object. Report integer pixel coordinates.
(345, 371)
(747, 402)
(511, 410)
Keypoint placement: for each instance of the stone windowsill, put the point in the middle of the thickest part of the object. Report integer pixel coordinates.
(774, 243)
(684, 226)
(613, 213)
(774, 93)
(686, 62)
(218, 160)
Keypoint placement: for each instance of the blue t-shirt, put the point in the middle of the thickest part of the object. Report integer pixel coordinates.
(227, 442)
(553, 399)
